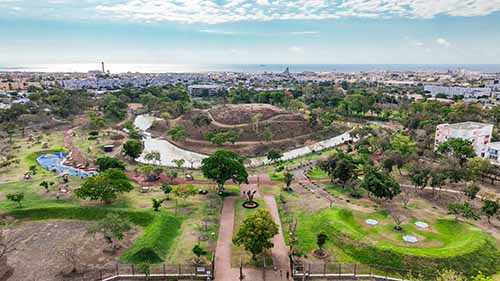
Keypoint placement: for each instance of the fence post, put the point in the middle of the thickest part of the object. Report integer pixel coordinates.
(164, 271)
(355, 270)
(179, 269)
(309, 270)
(340, 269)
(324, 269)
(133, 271)
(264, 270)
(117, 269)
(100, 274)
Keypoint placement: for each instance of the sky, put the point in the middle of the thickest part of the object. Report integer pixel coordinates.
(250, 31)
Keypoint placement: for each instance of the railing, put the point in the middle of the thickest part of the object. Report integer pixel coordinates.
(156, 272)
(341, 271)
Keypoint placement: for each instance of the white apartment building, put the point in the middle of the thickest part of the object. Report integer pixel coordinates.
(467, 92)
(494, 152)
(478, 133)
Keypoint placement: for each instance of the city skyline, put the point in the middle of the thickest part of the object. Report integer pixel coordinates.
(249, 32)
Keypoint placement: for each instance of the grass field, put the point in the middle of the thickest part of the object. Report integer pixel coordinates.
(447, 244)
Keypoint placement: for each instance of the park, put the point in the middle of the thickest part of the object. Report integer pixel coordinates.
(272, 190)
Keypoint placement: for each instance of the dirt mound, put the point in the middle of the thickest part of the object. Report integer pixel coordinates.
(275, 129)
(244, 113)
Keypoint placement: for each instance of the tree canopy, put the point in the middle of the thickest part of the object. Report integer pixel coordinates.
(255, 233)
(224, 165)
(106, 186)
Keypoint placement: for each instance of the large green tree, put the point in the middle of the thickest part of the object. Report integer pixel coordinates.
(404, 145)
(104, 163)
(224, 165)
(133, 148)
(460, 149)
(105, 187)
(380, 184)
(256, 232)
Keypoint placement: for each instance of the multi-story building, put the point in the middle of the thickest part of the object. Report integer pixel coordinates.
(494, 152)
(478, 133)
(466, 92)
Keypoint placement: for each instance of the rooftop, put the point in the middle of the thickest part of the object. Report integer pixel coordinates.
(469, 125)
(495, 145)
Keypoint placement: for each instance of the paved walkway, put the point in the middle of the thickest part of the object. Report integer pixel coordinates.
(223, 270)
(280, 249)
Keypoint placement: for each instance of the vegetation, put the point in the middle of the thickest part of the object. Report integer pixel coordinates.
(223, 166)
(105, 187)
(255, 233)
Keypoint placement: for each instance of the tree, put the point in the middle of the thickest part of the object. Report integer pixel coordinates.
(268, 134)
(113, 227)
(71, 255)
(8, 242)
(465, 210)
(339, 166)
(105, 186)
(179, 162)
(321, 240)
(151, 173)
(45, 185)
(477, 166)
(287, 178)
(199, 251)
(490, 208)
(438, 178)
(255, 233)
(391, 159)
(132, 148)
(380, 184)
(156, 204)
(178, 133)
(104, 163)
(166, 188)
(33, 169)
(419, 175)
(153, 156)
(404, 145)
(344, 170)
(471, 191)
(274, 155)
(460, 149)
(185, 190)
(114, 109)
(223, 166)
(17, 197)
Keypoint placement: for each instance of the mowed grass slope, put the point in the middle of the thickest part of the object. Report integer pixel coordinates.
(447, 244)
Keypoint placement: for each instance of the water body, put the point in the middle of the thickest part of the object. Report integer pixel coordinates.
(169, 152)
(248, 68)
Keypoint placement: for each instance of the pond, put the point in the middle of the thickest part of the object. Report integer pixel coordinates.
(53, 162)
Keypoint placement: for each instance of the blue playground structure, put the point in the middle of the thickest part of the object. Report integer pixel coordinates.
(53, 162)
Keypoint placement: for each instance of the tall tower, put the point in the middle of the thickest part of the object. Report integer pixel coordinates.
(103, 70)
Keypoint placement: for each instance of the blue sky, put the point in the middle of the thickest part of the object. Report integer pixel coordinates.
(250, 31)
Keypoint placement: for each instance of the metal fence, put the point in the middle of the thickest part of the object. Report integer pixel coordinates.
(159, 272)
(346, 271)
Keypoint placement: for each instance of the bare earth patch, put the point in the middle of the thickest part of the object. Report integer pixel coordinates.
(38, 257)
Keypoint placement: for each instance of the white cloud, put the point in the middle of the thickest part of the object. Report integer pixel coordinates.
(310, 32)
(216, 31)
(221, 11)
(443, 42)
(296, 49)
(262, 2)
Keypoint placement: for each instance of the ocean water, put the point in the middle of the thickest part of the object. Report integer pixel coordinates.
(247, 68)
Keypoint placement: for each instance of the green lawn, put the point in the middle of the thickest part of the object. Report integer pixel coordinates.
(316, 174)
(447, 244)
(240, 215)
